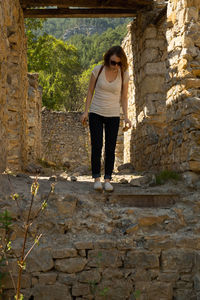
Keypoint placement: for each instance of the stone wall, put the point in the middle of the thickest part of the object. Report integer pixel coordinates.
(127, 45)
(13, 86)
(165, 97)
(34, 122)
(147, 64)
(64, 139)
(182, 141)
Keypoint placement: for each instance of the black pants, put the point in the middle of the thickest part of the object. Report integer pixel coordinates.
(111, 124)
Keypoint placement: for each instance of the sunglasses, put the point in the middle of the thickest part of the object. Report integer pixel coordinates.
(114, 63)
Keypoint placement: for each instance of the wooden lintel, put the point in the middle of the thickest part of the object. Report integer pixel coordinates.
(78, 13)
(128, 4)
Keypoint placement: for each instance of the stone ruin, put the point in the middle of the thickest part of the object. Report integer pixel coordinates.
(99, 246)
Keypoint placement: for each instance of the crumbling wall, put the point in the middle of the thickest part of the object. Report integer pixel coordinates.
(182, 141)
(165, 99)
(64, 139)
(34, 123)
(127, 45)
(13, 86)
(147, 99)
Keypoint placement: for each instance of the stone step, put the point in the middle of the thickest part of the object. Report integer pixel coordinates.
(144, 200)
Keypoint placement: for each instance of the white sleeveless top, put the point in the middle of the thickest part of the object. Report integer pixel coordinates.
(106, 99)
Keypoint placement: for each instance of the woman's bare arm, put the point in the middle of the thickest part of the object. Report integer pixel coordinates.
(90, 93)
(124, 101)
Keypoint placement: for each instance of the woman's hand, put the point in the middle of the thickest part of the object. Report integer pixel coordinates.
(84, 118)
(127, 122)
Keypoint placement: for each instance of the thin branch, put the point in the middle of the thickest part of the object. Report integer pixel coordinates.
(29, 251)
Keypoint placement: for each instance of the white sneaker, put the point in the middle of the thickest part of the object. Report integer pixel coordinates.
(108, 187)
(98, 186)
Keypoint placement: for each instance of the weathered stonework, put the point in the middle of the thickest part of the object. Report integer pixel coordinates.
(183, 83)
(147, 64)
(128, 48)
(34, 104)
(164, 100)
(13, 86)
(98, 246)
(64, 139)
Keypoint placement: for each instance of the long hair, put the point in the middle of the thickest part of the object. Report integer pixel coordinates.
(118, 51)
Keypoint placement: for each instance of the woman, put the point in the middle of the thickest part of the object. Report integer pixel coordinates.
(110, 82)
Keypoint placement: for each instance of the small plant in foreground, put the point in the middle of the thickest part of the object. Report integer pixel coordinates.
(5, 244)
(166, 175)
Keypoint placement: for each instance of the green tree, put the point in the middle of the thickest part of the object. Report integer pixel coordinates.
(58, 66)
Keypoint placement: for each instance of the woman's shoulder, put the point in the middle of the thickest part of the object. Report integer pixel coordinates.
(96, 70)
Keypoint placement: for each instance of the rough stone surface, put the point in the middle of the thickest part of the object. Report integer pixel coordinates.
(153, 250)
(34, 105)
(164, 92)
(13, 87)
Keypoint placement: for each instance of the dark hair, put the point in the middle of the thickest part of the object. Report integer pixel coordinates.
(118, 51)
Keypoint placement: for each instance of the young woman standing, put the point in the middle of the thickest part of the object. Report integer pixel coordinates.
(110, 82)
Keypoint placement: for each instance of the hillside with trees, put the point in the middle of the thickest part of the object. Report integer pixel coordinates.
(65, 28)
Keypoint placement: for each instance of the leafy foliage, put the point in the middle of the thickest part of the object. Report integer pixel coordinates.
(166, 175)
(57, 64)
(5, 220)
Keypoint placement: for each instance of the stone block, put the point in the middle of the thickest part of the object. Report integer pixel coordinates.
(104, 244)
(47, 278)
(181, 260)
(158, 68)
(67, 279)
(192, 83)
(64, 252)
(40, 260)
(119, 289)
(194, 165)
(149, 55)
(83, 245)
(194, 153)
(89, 276)
(152, 84)
(150, 32)
(104, 258)
(70, 265)
(80, 289)
(152, 220)
(141, 258)
(111, 273)
(152, 43)
(51, 292)
(155, 290)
